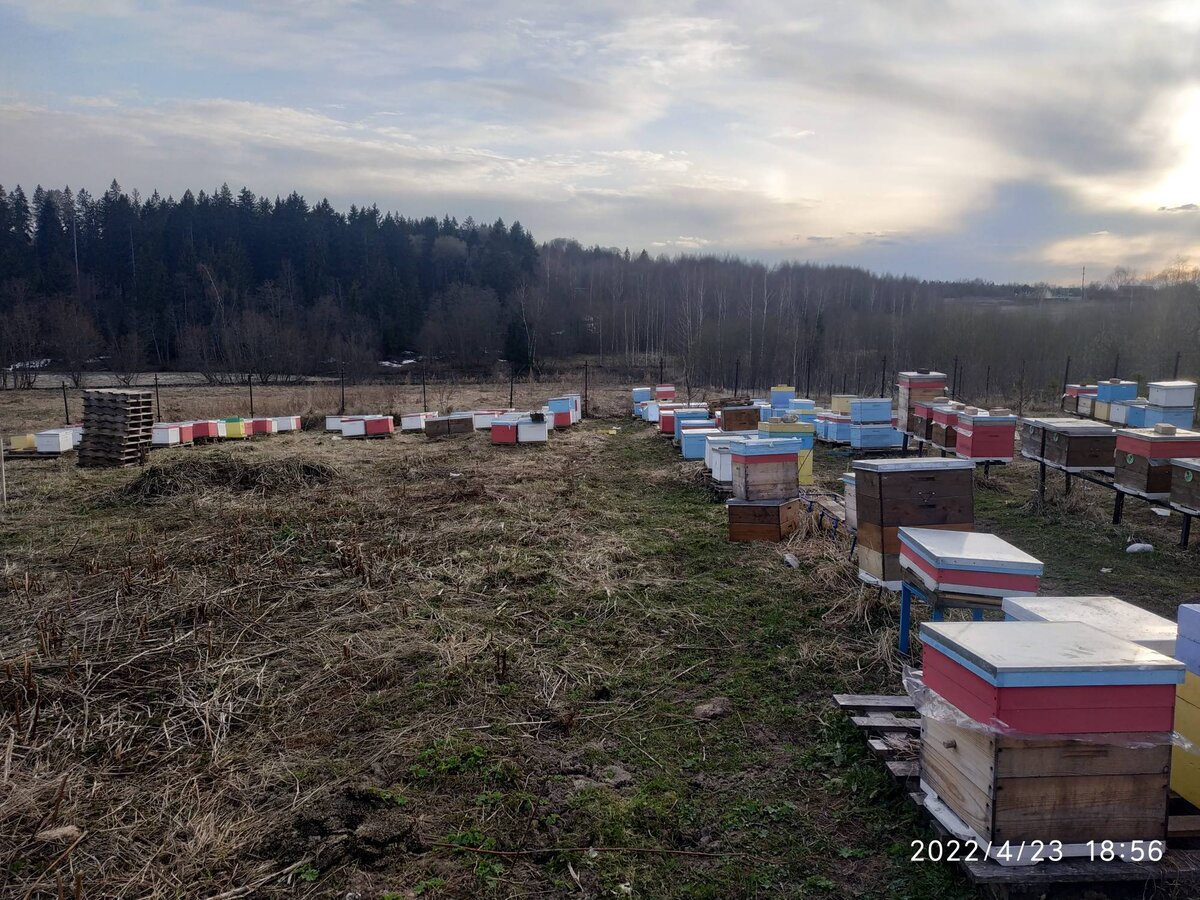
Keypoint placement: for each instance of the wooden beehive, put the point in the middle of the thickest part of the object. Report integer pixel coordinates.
(1074, 791)
(890, 493)
(1069, 443)
(917, 387)
(1185, 483)
(117, 427)
(943, 432)
(1048, 679)
(739, 418)
(1143, 458)
(763, 520)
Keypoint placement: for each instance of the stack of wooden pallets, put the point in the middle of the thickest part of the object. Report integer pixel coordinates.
(117, 426)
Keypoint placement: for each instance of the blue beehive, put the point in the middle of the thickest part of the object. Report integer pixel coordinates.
(560, 404)
(682, 414)
(781, 395)
(693, 441)
(1115, 389)
(1135, 415)
(875, 437)
(871, 411)
(1179, 416)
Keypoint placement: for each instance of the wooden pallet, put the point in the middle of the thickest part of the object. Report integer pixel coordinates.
(892, 729)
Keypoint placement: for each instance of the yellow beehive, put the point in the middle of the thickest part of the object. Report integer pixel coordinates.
(1101, 410)
(780, 427)
(805, 466)
(1185, 765)
(840, 403)
(235, 428)
(21, 442)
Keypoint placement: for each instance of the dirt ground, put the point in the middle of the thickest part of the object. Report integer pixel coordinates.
(307, 666)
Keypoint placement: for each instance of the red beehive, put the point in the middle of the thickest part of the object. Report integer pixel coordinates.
(986, 436)
(666, 421)
(381, 425)
(504, 429)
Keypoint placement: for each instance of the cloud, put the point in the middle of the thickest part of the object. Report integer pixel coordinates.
(923, 135)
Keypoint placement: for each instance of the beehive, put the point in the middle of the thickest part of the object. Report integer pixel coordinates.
(1115, 389)
(692, 443)
(1185, 762)
(664, 392)
(165, 434)
(921, 386)
(1143, 458)
(1185, 483)
(986, 436)
(533, 429)
(739, 418)
(763, 520)
(287, 423)
(840, 403)
(978, 565)
(944, 432)
(504, 428)
(871, 411)
(1109, 614)
(1069, 443)
(481, 419)
(415, 421)
(1048, 678)
(890, 493)
(766, 469)
(53, 441)
(235, 429)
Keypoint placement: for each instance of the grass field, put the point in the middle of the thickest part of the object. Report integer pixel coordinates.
(401, 668)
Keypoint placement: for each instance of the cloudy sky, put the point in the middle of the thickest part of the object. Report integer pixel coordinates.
(942, 138)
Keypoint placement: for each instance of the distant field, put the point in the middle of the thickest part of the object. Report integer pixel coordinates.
(444, 669)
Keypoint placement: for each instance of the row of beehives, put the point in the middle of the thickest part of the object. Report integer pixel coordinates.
(926, 414)
(863, 423)
(506, 426)
(56, 441)
(761, 451)
(1055, 730)
(1159, 463)
(1117, 401)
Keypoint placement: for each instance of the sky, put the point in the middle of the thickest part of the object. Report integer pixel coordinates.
(1007, 140)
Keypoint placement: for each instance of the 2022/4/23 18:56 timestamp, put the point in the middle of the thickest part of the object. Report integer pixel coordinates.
(954, 850)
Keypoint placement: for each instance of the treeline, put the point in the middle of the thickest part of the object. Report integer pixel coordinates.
(221, 283)
(227, 284)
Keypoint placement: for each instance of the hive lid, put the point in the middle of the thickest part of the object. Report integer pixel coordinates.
(1153, 434)
(1014, 654)
(1171, 384)
(966, 549)
(911, 464)
(1109, 614)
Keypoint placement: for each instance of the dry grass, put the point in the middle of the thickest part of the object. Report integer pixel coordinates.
(310, 666)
